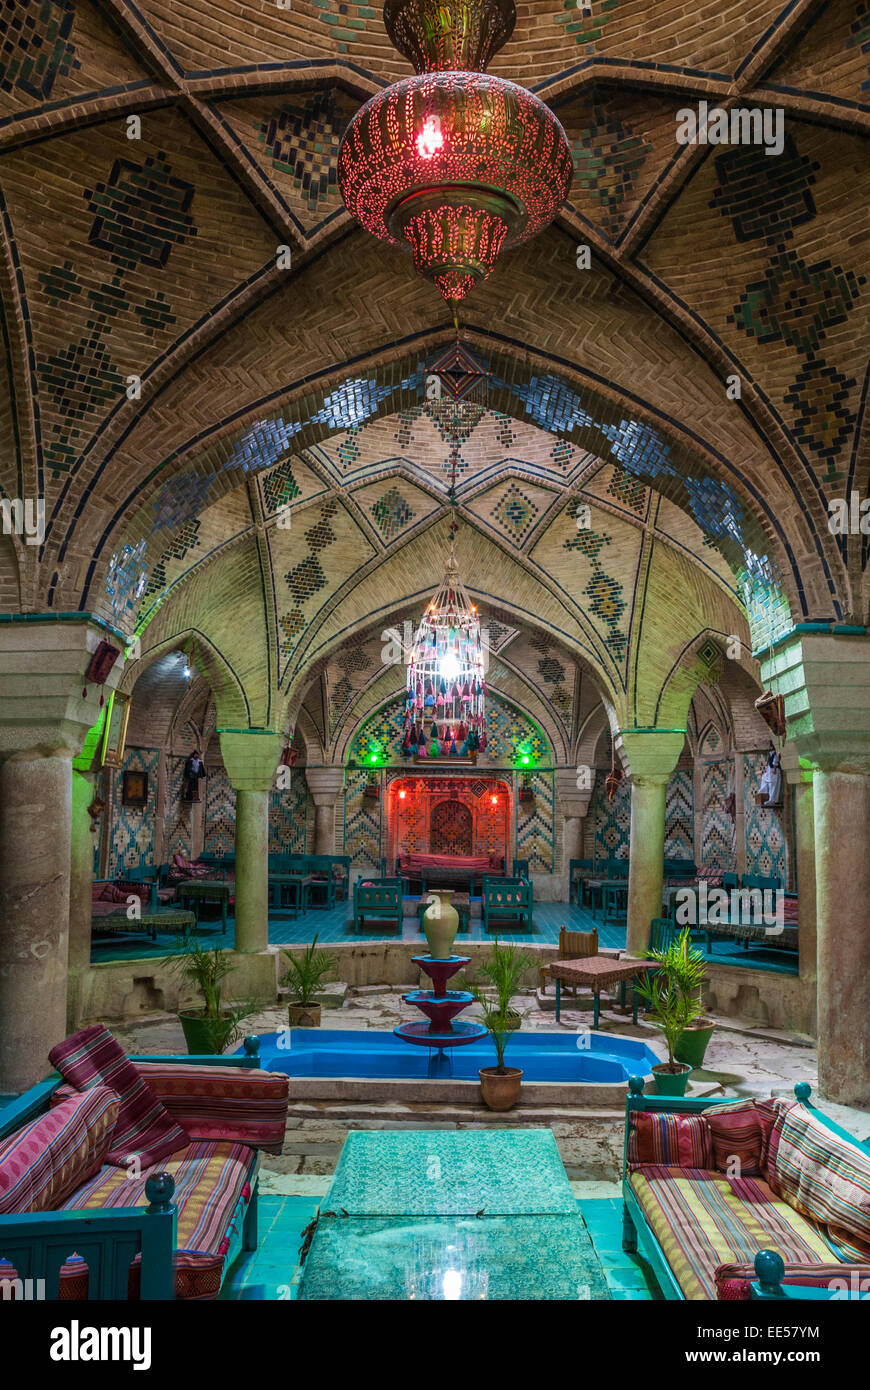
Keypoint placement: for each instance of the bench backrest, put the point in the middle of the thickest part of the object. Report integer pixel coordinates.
(377, 895)
(507, 892)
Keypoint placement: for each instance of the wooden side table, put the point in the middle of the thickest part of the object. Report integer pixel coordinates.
(597, 973)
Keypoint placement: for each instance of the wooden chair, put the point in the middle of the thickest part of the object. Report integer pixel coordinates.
(584, 867)
(508, 900)
(573, 945)
(521, 869)
(380, 901)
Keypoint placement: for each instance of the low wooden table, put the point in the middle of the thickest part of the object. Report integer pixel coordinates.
(205, 890)
(301, 882)
(598, 972)
(608, 887)
(181, 923)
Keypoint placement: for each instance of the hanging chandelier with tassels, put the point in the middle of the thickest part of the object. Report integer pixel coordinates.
(454, 162)
(444, 709)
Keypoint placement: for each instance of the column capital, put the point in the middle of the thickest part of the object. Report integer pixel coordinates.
(42, 676)
(824, 678)
(574, 797)
(652, 754)
(250, 757)
(325, 784)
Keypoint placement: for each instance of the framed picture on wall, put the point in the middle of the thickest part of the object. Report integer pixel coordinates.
(134, 790)
(115, 734)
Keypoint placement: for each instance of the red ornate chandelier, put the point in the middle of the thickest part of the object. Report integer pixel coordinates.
(458, 164)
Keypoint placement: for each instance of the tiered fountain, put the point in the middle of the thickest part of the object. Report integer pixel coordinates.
(440, 1004)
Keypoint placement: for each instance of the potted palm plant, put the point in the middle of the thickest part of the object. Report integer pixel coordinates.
(305, 975)
(503, 972)
(672, 996)
(211, 1028)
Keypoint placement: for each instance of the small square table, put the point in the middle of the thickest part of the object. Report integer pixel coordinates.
(200, 890)
(598, 972)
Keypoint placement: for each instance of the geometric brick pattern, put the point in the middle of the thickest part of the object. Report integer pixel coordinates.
(34, 45)
(765, 841)
(131, 845)
(717, 827)
(680, 815)
(219, 833)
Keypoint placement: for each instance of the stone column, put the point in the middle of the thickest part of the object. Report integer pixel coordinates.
(45, 723)
(325, 784)
(250, 758)
(825, 679)
(81, 872)
(800, 780)
(574, 797)
(652, 756)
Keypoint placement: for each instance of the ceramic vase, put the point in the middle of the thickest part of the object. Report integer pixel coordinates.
(440, 925)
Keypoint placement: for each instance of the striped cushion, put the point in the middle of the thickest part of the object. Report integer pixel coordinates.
(144, 1127)
(212, 1182)
(48, 1159)
(234, 1103)
(740, 1130)
(820, 1174)
(703, 1220)
(733, 1280)
(679, 1141)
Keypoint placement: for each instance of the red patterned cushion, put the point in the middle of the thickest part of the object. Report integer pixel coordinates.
(733, 1280)
(677, 1141)
(819, 1173)
(740, 1130)
(230, 1103)
(144, 1127)
(47, 1160)
(112, 894)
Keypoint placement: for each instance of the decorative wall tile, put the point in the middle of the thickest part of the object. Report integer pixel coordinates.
(219, 835)
(131, 844)
(680, 816)
(765, 840)
(718, 836)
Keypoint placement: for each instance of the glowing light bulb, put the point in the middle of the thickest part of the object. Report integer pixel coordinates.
(526, 759)
(494, 800)
(402, 795)
(448, 666)
(452, 1284)
(430, 140)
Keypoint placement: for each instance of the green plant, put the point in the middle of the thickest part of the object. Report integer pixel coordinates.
(672, 992)
(307, 972)
(503, 973)
(204, 969)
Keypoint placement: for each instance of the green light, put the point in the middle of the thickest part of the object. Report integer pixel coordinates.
(525, 759)
(373, 757)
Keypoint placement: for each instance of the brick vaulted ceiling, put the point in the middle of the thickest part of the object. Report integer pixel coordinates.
(155, 258)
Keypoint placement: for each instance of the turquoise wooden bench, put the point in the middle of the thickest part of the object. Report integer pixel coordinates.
(637, 1233)
(507, 898)
(381, 902)
(38, 1244)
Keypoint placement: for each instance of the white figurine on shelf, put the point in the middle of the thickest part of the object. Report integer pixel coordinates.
(770, 791)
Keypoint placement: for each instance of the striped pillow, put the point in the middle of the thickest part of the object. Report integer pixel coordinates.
(740, 1130)
(46, 1161)
(819, 1173)
(670, 1141)
(733, 1280)
(144, 1129)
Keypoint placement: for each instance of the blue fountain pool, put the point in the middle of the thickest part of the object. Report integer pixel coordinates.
(370, 1053)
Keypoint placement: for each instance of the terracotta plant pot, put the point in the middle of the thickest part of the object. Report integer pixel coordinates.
(440, 925)
(500, 1090)
(203, 1038)
(671, 1083)
(303, 1015)
(694, 1042)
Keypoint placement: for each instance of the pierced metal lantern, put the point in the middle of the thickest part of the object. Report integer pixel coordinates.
(446, 694)
(454, 162)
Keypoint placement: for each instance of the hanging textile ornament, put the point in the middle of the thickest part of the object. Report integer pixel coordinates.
(614, 776)
(421, 749)
(772, 710)
(434, 748)
(433, 732)
(462, 732)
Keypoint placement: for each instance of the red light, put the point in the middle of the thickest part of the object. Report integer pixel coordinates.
(494, 800)
(430, 140)
(402, 795)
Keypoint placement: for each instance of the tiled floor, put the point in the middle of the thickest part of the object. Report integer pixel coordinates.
(332, 925)
(271, 1271)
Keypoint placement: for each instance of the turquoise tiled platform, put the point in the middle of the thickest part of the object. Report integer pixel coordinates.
(457, 1215)
(271, 1272)
(332, 927)
(430, 1173)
